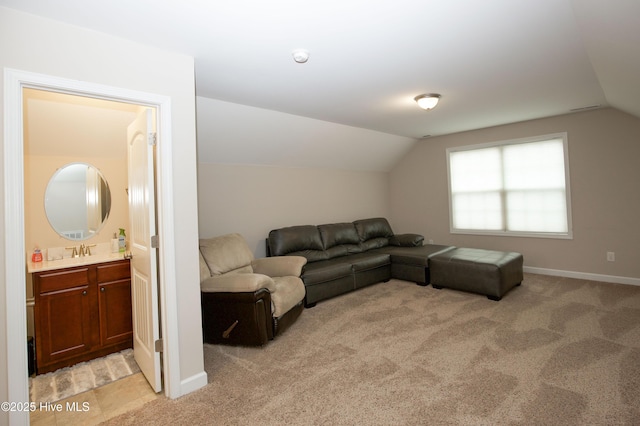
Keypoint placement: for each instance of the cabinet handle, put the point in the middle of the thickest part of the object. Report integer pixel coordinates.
(102, 289)
(84, 293)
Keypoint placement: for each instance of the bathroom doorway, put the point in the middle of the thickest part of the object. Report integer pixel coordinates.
(15, 82)
(64, 131)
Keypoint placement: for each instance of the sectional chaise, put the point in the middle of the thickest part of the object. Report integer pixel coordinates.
(342, 257)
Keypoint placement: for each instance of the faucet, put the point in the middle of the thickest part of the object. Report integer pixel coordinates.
(81, 251)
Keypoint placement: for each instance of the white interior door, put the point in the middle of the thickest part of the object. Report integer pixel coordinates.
(142, 227)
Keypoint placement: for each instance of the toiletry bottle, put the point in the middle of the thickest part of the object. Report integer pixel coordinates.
(121, 241)
(37, 255)
(114, 243)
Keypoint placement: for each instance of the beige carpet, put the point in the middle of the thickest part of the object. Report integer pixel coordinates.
(553, 351)
(68, 381)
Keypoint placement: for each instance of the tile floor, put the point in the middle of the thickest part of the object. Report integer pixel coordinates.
(97, 405)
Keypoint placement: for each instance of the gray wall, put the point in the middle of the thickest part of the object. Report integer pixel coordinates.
(260, 169)
(252, 200)
(604, 177)
(604, 148)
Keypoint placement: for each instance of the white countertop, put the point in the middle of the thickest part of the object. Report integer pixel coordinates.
(69, 262)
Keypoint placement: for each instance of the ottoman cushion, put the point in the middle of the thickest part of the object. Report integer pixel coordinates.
(487, 272)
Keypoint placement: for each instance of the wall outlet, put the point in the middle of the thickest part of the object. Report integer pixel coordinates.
(611, 256)
(430, 241)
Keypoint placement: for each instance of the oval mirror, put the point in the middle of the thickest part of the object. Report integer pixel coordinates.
(77, 201)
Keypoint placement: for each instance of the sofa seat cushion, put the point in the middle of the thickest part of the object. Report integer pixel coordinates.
(370, 260)
(288, 293)
(327, 270)
(418, 256)
(280, 266)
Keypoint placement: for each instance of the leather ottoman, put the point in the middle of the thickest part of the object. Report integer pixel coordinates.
(488, 272)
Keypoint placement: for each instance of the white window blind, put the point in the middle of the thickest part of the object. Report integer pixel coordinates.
(515, 187)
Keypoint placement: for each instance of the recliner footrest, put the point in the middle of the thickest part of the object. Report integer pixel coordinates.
(250, 312)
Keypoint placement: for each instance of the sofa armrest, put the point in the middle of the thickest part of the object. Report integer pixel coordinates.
(406, 240)
(279, 266)
(237, 283)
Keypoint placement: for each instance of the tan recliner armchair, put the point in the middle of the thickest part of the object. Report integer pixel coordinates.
(247, 301)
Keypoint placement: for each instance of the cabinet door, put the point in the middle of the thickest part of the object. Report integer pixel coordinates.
(64, 325)
(115, 312)
(114, 303)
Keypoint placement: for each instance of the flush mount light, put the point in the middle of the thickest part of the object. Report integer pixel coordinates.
(428, 101)
(300, 55)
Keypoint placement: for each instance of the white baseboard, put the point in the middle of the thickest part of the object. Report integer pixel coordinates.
(582, 275)
(193, 383)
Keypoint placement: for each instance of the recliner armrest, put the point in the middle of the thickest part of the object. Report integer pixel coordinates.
(406, 240)
(279, 266)
(237, 283)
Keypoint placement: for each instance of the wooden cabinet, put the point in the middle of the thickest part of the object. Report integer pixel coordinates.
(63, 314)
(114, 303)
(81, 313)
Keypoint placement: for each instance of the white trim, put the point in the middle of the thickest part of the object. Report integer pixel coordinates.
(167, 271)
(582, 275)
(193, 383)
(506, 233)
(559, 135)
(14, 81)
(499, 233)
(15, 279)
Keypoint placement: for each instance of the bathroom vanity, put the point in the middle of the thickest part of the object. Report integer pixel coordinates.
(78, 294)
(82, 309)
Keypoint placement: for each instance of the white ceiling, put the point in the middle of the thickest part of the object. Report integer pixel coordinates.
(494, 62)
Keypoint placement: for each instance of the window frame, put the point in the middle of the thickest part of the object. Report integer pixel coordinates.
(504, 232)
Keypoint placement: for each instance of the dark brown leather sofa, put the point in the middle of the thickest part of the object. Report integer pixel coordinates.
(342, 257)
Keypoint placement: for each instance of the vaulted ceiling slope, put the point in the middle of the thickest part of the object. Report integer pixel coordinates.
(494, 62)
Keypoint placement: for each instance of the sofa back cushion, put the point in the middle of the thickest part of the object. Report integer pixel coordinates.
(303, 240)
(374, 233)
(226, 254)
(339, 239)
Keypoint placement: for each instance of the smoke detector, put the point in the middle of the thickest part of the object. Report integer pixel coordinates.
(300, 55)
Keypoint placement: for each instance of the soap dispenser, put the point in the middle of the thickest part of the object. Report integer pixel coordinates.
(121, 241)
(37, 255)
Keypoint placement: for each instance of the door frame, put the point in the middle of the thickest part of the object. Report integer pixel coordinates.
(15, 254)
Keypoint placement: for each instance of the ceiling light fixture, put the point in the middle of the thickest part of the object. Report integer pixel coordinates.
(428, 101)
(300, 55)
